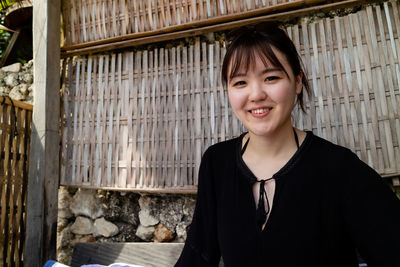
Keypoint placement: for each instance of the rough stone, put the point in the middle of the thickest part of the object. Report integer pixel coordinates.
(64, 238)
(13, 76)
(61, 224)
(29, 100)
(126, 233)
(16, 67)
(26, 78)
(28, 65)
(147, 208)
(11, 80)
(15, 94)
(112, 204)
(23, 89)
(83, 239)
(130, 209)
(64, 199)
(65, 213)
(105, 228)
(181, 231)
(82, 226)
(145, 232)
(162, 234)
(170, 211)
(65, 256)
(146, 219)
(188, 206)
(4, 90)
(87, 204)
(2, 74)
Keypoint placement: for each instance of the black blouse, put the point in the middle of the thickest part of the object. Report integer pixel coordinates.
(327, 205)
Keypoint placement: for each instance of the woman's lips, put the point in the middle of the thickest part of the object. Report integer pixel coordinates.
(260, 112)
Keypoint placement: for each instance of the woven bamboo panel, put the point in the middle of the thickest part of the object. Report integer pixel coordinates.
(141, 120)
(353, 65)
(92, 20)
(14, 151)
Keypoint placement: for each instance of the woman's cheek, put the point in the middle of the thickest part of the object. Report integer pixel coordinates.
(236, 99)
(282, 93)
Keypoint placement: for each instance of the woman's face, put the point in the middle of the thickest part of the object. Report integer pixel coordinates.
(263, 97)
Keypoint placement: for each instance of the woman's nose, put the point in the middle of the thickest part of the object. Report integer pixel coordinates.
(257, 92)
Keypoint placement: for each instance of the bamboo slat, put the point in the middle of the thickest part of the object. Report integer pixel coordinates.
(88, 21)
(15, 123)
(152, 113)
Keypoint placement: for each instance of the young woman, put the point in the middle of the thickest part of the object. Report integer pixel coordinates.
(279, 196)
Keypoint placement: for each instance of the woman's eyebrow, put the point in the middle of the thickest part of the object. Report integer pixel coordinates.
(270, 70)
(241, 74)
(237, 75)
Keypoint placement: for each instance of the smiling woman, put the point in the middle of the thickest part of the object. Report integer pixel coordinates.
(297, 199)
(263, 97)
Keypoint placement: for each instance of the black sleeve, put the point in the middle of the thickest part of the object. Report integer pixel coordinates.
(201, 246)
(372, 214)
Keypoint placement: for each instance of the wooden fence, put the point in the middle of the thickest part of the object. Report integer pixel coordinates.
(15, 124)
(95, 21)
(140, 120)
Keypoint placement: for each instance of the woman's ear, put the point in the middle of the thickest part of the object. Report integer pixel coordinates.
(299, 82)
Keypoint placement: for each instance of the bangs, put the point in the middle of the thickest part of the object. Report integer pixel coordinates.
(245, 56)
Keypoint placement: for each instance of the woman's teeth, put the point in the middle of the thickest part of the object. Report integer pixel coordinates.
(260, 110)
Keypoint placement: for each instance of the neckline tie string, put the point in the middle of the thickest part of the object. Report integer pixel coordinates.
(262, 211)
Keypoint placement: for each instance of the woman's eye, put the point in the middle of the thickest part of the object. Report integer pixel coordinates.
(271, 78)
(239, 83)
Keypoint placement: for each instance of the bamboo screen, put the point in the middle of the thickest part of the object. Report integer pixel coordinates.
(93, 20)
(15, 127)
(141, 120)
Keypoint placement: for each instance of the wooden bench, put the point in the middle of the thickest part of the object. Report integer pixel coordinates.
(145, 254)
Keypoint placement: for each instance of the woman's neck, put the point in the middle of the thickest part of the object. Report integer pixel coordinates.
(280, 143)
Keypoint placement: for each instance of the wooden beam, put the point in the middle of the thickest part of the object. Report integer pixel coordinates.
(43, 177)
(161, 36)
(18, 104)
(9, 48)
(189, 190)
(201, 23)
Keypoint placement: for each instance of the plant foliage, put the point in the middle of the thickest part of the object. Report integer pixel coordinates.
(5, 36)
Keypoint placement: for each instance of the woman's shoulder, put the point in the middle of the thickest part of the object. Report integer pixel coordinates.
(330, 150)
(337, 158)
(225, 147)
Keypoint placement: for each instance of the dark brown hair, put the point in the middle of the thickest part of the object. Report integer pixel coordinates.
(248, 42)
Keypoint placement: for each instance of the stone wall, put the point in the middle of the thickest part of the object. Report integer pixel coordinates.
(16, 81)
(108, 216)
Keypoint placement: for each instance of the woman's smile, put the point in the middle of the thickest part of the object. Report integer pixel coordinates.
(260, 112)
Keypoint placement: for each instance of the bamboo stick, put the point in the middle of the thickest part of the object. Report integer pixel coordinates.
(204, 26)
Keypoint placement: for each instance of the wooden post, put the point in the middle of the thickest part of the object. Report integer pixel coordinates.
(43, 177)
